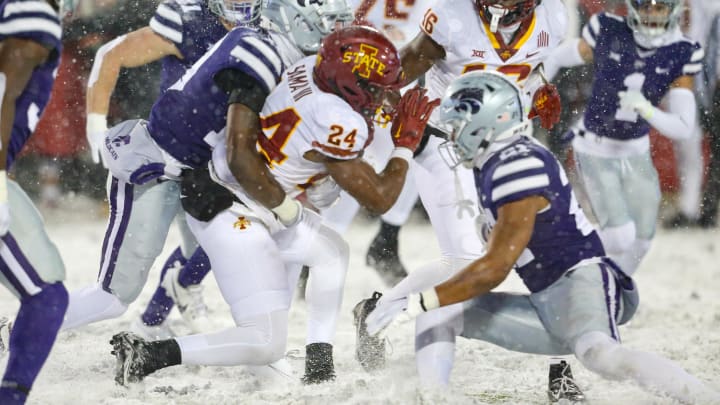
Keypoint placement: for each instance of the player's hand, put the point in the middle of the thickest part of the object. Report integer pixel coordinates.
(324, 193)
(95, 129)
(413, 112)
(394, 312)
(636, 101)
(546, 105)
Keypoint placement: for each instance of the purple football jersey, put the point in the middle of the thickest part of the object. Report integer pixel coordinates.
(192, 28)
(34, 20)
(621, 65)
(562, 236)
(186, 120)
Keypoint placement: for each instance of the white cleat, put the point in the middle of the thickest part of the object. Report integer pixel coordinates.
(189, 301)
(5, 329)
(151, 333)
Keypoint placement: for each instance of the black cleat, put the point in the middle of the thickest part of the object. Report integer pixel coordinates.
(383, 256)
(369, 350)
(5, 330)
(137, 358)
(319, 366)
(561, 385)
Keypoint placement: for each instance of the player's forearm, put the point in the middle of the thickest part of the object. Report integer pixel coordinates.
(103, 77)
(480, 277)
(388, 185)
(678, 121)
(568, 54)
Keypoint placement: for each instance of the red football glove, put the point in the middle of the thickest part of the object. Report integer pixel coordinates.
(546, 105)
(413, 112)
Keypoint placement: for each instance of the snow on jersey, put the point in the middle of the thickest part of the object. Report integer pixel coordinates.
(397, 19)
(298, 117)
(34, 20)
(562, 236)
(192, 28)
(620, 65)
(469, 45)
(190, 117)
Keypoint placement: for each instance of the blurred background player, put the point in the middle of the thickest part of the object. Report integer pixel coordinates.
(30, 264)
(178, 35)
(315, 125)
(578, 297)
(638, 60)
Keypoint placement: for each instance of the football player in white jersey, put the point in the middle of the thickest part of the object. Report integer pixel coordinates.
(509, 36)
(315, 125)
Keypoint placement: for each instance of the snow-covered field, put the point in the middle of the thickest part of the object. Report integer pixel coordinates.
(679, 318)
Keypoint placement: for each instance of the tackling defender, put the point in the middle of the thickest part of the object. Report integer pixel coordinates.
(577, 295)
(30, 264)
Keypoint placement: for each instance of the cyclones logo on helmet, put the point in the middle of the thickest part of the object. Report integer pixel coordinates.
(360, 65)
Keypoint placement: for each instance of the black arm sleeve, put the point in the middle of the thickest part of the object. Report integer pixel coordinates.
(242, 88)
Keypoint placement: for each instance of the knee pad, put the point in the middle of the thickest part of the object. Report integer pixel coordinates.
(618, 239)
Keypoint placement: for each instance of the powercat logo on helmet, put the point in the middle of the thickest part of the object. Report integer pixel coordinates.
(365, 61)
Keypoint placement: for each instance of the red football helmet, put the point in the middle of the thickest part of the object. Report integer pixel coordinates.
(505, 12)
(360, 65)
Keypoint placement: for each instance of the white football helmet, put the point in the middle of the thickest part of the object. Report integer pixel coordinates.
(307, 22)
(652, 20)
(480, 108)
(236, 12)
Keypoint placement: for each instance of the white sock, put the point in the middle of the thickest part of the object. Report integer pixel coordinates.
(91, 304)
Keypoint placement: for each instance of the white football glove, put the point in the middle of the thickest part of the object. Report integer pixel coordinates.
(400, 310)
(4, 205)
(635, 100)
(95, 129)
(323, 193)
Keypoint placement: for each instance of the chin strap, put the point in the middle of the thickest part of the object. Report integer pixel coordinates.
(497, 13)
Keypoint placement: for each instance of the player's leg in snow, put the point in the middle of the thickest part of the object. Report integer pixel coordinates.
(383, 256)
(319, 366)
(561, 384)
(5, 328)
(369, 350)
(31, 339)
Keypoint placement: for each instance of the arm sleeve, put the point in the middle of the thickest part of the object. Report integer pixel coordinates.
(241, 88)
(567, 54)
(591, 31)
(519, 178)
(678, 121)
(168, 23)
(694, 65)
(438, 22)
(339, 133)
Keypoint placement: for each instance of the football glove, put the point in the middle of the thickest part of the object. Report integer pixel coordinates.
(400, 310)
(413, 112)
(323, 193)
(636, 101)
(546, 105)
(95, 129)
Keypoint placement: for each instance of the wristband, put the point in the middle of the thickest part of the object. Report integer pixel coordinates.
(96, 123)
(3, 187)
(287, 211)
(402, 153)
(429, 300)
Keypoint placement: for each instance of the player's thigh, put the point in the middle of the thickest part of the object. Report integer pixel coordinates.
(602, 182)
(584, 300)
(28, 230)
(643, 193)
(450, 199)
(510, 320)
(246, 262)
(140, 217)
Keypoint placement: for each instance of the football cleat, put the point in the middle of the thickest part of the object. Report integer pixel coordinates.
(151, 332)
(189, 301)
(561, 385)
(369, 350)
(5, 329)
(383, 256)
(319, 367)
(135, 358)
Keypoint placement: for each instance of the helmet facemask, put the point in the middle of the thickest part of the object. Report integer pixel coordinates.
(236, 12)
(505, 13)
(651, 20)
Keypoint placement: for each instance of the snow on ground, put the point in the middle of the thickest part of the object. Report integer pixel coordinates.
(679, 318)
